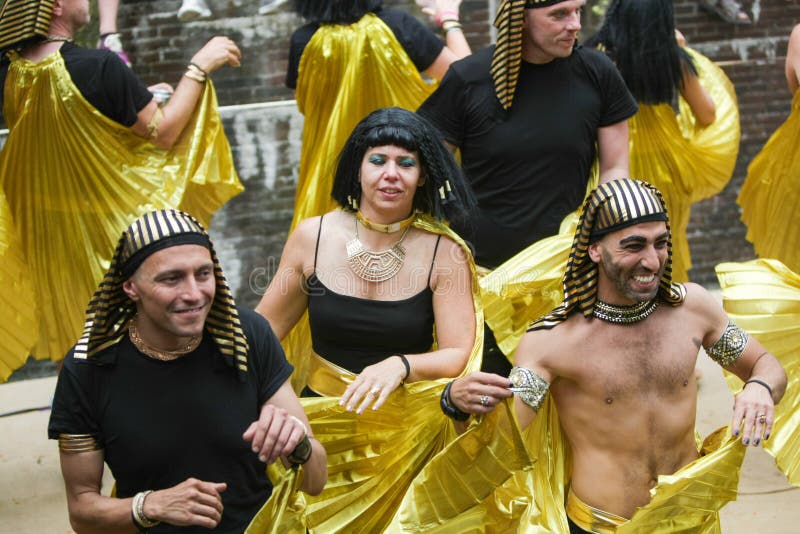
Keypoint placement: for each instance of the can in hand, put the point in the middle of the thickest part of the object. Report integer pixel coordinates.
(161, 95)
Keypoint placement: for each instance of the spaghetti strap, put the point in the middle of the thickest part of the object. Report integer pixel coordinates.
(316, 247)
(433, 259)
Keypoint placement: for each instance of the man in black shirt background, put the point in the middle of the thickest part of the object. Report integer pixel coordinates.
(530, 116)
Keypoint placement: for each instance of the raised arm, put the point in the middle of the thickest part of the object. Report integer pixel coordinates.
(454, 317)
(282, 431)
(792, 67)
(165, 125)
(699, 100)
(612, 150)
(744, 356)
(445, 14)
(191, 503)
(285, 299)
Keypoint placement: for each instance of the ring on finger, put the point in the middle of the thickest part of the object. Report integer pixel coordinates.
(484, 400)
(374, 391)
(762, 418)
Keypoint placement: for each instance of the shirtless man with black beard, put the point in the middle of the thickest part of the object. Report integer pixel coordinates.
(622, 372)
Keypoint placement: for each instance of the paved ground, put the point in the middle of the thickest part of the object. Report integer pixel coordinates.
(32, 494)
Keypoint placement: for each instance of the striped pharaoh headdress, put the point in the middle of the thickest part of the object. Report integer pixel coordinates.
(611, 206)
(24, 21)
(508, 50)
(110, 309)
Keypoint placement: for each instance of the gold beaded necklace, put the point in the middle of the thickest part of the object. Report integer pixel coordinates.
(158, 354)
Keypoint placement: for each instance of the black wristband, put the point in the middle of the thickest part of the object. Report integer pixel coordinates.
(407, 366)
(301, 453)
(760, 382)
(450, 409)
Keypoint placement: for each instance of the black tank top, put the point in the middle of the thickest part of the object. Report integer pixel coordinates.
(355, 332)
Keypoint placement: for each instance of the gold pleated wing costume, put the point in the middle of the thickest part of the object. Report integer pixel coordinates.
(18, 309)
(489, 480)
(372, 457)
(346, 72)
(685, 161)
(770, 194)
(763, 297)
(74, 180)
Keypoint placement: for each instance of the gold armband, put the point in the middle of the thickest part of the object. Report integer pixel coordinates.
(730, 346)
(193, 72)
(528, 386)
(152, 126)
(74, 443)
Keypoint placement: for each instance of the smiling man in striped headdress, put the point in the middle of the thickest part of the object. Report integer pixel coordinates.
(530, 116)
(618, 358)
(183, 394)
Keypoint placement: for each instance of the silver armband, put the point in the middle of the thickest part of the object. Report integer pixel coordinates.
(528, 386)
(730, 346)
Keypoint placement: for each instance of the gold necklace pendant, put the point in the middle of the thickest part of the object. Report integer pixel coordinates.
(375, 266)
(161, 355)
(386, 228)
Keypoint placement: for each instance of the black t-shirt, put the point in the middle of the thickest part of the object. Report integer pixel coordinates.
(160, 423)
(529, 167)
(103, 80)
(421, 45)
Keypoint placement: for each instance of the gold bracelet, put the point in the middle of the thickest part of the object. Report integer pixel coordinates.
(194, 76)
(453, 25)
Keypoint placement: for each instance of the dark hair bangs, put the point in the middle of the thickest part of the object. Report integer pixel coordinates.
(390, 134)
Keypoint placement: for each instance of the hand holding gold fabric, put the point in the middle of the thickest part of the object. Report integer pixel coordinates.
(374, 384)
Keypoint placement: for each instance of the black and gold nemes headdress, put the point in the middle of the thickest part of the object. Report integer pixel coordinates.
(611, 206)
(110, 309)
(508, 50)
(23, 22)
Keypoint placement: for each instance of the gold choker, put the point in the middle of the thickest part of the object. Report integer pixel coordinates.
(613, 313)
(162, 355)
(386, 228)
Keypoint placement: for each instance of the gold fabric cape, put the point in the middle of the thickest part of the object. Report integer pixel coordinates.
(685, 161)
(346, 72)
(516, 482)
(770, 195)
(74, 180)
(763, 297)
(372, 457)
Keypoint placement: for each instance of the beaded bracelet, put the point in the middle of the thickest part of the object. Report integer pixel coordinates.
(140, 520)
(450, 409)
(446, 15)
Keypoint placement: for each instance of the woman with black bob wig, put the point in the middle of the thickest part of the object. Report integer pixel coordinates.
(352, 57)
(685, 137)
(394, 312)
